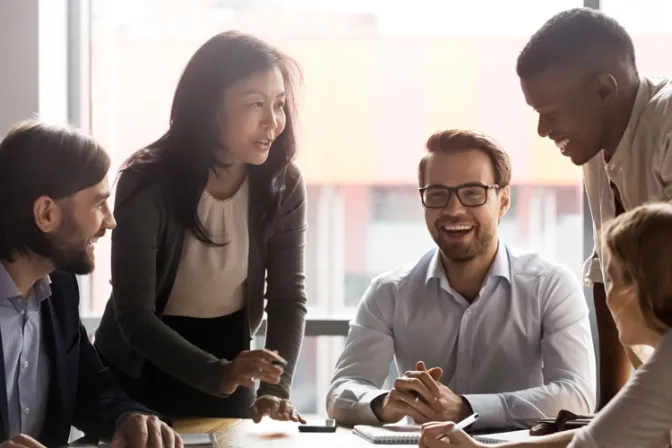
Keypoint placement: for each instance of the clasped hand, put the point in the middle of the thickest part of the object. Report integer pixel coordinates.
(420, 395)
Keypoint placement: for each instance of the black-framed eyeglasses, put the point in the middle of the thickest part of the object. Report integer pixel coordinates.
(469, 195)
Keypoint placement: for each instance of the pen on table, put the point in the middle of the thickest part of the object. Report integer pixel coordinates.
(462, 425)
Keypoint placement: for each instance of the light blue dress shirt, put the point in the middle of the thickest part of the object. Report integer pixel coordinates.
(521, 351)
(26, 363)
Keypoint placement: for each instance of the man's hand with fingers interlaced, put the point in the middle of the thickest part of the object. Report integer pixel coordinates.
(420, 395)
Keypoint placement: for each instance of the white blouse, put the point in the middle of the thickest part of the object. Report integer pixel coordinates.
(210, 280)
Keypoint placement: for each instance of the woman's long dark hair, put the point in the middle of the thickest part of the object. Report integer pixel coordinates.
(183, 157)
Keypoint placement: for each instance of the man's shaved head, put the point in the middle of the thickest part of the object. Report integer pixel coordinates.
(578, 72)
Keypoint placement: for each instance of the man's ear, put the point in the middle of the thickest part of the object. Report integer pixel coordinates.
(607, 87)
(47, 213)
(504, 200)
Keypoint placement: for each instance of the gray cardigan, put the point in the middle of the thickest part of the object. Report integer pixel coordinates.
(146, 249)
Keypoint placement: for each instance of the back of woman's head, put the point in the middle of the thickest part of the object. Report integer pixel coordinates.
(182, 158)
(640, 241)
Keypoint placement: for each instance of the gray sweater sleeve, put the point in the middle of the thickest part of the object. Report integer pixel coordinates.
(141, 219)
(641, 413)
(135, 243)
(285, 292)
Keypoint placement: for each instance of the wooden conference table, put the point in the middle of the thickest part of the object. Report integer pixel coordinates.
(236, 433)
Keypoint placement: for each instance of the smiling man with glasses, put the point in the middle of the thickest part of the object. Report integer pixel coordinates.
(475, 326)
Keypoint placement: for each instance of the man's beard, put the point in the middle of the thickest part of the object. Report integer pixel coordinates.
(68, 250)
(462, 253)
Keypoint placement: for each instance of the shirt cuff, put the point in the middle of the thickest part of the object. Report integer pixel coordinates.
(490, 409)
(363, 409)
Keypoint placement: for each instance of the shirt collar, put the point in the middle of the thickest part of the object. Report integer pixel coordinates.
(641, 100)
(41, 289)
(500, 267)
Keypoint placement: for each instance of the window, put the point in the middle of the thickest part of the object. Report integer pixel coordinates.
(651, 30)
(379, 78)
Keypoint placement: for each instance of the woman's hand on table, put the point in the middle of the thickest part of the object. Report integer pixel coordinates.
(275, 408)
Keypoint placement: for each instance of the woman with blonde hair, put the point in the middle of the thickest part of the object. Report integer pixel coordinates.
(639, 261)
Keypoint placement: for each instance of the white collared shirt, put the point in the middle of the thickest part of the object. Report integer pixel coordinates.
(641, 167)
(521, 351)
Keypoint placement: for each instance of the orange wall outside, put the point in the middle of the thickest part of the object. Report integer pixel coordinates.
(366, 107)
(368, 104)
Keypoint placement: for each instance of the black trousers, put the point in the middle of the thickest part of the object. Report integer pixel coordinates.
(225, 338)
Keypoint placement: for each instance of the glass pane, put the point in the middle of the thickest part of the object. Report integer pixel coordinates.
(648, 22)
(380, 77)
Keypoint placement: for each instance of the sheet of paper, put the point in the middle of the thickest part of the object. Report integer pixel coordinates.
(511, 436)
(403, 427)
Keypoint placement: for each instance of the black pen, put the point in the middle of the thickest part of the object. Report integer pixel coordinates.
(279, 362)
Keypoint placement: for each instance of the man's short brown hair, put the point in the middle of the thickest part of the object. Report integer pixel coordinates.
(37, 159)
(459, 140)
(639, 241)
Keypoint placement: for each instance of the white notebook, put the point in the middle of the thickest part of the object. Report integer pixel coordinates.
(406, 435)
(500, 437)
(387, 434)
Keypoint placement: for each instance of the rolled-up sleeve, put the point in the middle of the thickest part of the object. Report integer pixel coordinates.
(593, 177)
(664, 164)
(364, 364)
(592, 269)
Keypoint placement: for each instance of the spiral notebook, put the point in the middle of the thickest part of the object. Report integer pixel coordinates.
(403, 435)
(500, 437)
(387, 434)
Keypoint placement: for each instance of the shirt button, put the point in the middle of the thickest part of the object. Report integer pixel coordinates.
(25, 364)
(26, 410)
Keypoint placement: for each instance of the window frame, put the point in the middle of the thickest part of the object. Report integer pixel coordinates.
(79, 114)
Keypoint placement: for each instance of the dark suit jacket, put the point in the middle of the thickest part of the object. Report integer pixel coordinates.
(82, 393)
